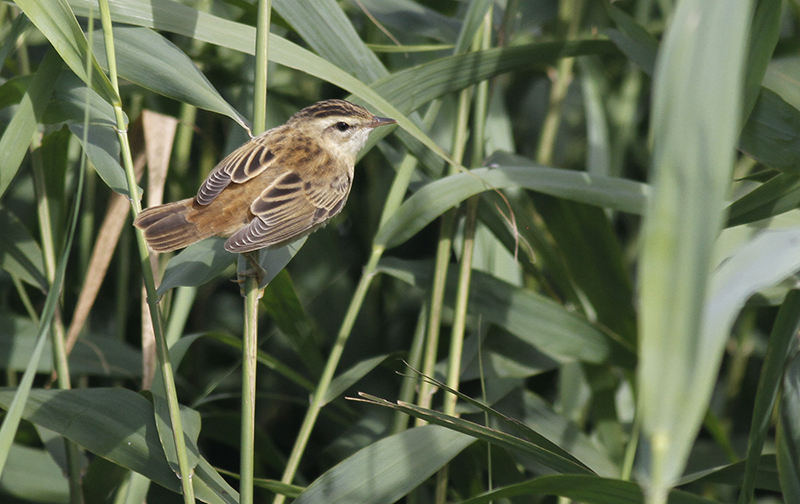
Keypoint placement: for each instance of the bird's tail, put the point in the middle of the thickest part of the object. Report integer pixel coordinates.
(170, 227)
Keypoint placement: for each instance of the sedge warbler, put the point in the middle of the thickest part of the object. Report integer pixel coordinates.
(280, 186)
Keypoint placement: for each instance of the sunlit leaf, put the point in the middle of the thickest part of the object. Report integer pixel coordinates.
(54, 18)
(148, 59)
(388, 469)
(435, 198)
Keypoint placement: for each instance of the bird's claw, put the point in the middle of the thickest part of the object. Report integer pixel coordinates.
(256, 271)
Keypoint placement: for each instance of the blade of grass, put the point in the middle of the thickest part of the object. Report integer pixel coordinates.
(19, 132)
(388, 469)
(534, 318)
(20, 255)
(325, 27)
(442, 76)
(786, 326)
(523, 429)
(788, 437)
(508, 441)
(146, 58)
(698, 92)
(434, 198)
(580, 488)
(55, 19)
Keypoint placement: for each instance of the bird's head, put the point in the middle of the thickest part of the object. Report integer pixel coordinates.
(340, 125)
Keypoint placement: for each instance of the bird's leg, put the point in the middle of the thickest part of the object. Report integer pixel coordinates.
(255, 271)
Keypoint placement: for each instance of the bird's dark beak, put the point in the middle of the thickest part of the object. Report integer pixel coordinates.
(381, 121)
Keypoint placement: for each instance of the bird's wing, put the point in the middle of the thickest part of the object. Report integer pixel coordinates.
(290, 208)
(238, 167)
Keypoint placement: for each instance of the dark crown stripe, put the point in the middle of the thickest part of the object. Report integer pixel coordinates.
(332, 108)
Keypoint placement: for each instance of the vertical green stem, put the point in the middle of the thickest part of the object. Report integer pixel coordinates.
(408, 385)
(330, 367)
(483, 41)
(436, 303)
(251, 291)
(443, 251)
(249, 361)
(162, 351)
(571, 11)
(262, 63)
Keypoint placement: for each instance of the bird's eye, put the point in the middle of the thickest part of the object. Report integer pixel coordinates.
(342, 126)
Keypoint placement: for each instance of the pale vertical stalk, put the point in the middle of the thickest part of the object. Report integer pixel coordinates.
(251, 291)
(262, 63)
(408, 385)
(249, 362)
(571, 12)
(442, 260)
(482, 41)
(443, 252)
(162, 351)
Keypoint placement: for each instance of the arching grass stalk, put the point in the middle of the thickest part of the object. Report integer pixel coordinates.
(162, 351)
(252, 293)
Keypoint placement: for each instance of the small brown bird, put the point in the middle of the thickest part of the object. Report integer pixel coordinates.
(276, 188)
